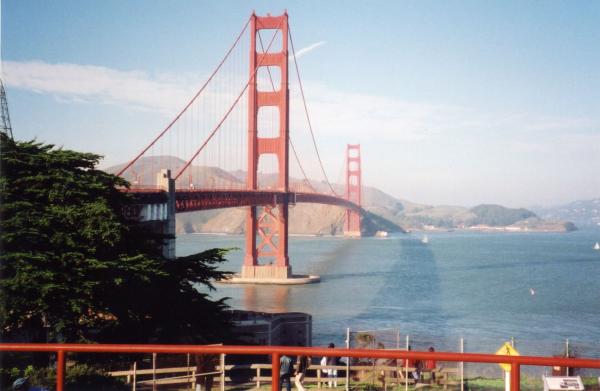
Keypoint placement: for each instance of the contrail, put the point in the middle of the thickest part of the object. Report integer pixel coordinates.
(308, 49)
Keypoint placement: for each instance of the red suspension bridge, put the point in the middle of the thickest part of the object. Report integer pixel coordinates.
(230, 147)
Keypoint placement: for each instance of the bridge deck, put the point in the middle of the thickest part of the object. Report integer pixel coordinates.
(188, 200)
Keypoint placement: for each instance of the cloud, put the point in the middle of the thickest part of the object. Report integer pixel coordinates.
(334, 112)
(357, 115)
(421, 136)
(304, 51)
(96, 84)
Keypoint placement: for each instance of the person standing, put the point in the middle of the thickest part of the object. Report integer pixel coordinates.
(285, 372)
(302, 363)
(415, 365)
(330, 372)
(430, 365)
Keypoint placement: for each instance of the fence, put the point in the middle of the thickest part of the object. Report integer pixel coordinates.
(393, 338)
(386, 375)
(275, 352)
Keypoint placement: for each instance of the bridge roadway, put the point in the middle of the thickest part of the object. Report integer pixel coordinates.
(189, 200)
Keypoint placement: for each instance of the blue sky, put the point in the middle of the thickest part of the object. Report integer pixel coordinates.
(453, 102)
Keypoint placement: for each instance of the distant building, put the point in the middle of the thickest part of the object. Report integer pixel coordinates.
(263, 328)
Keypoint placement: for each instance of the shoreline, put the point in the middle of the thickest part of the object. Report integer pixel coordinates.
(490, 229)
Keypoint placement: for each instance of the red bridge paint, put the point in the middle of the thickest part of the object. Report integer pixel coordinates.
(353, 188)
(272, 225)
(276, 351)
(267, 231)
(191, 200)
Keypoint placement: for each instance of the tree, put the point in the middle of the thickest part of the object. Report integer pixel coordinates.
(73, 269)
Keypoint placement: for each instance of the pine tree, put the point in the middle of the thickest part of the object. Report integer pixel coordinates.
(73, 269)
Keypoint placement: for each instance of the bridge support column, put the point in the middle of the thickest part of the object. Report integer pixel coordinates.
(165, 182)
(352, 226)
(155, 212)
(267, 229)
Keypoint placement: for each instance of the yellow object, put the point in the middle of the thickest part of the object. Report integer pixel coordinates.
(507, 350)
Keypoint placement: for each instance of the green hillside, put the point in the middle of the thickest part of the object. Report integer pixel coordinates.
(383, 211)
(497, 215)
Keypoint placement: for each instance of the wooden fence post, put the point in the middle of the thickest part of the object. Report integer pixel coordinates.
(134, 385)
(222, 372)
(153, 371)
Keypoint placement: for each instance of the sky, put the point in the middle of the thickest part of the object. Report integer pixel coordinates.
(453, 102)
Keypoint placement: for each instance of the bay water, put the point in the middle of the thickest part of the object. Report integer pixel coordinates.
(538, 289)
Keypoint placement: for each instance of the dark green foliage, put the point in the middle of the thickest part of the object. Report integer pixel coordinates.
(78, 377)
(496, 215)
(71, 262)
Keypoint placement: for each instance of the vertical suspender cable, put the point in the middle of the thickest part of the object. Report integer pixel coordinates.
(190, 102)
(214, 131)
(307, 181)
(307, 116)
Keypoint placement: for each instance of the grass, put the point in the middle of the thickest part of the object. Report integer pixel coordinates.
(528, 383)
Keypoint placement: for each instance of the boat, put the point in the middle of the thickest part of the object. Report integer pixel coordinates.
(597, 246)
(425, 240)
(381, 234)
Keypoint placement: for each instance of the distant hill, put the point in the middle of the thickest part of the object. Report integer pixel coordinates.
(497, 215)
(384, 212)
(305, 219)
(413, 216)
(144, 172)
(582, 212)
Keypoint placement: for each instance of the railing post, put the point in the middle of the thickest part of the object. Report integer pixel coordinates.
(406, 364)
(189, 376)
(60, 370)
(462, 366)
(134, 385)
(515, 376)
(319, 377)
(275, 372)
(153, 371)
(222, 359)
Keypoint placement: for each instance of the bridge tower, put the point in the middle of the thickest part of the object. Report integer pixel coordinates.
(353, 189)
(271, 226)
(5, 126)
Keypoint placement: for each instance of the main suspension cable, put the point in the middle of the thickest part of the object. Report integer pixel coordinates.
(214, 131)
(307, 115)
(306, 180)
(165, 130)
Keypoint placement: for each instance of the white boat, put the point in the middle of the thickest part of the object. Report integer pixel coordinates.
(597, 246)
(425, 240)
(381, 234)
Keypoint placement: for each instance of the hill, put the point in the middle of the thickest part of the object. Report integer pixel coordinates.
(585, 213)
(496, 215)
(304, 219)
(384, 212)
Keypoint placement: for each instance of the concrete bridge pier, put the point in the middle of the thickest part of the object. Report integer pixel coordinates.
(155, 211)
(165, 182)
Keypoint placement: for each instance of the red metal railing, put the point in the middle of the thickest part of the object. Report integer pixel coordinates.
(276, 351)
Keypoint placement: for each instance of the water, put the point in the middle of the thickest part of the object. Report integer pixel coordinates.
(470, 285)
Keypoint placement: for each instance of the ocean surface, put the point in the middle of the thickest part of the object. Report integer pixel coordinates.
(538, 289)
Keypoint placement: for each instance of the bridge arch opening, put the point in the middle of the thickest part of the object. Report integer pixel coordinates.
(268, 78)
(264, 37)
(268, 122)
(268, 168)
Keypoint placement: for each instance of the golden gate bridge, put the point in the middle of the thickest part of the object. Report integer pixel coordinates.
(230, 147)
